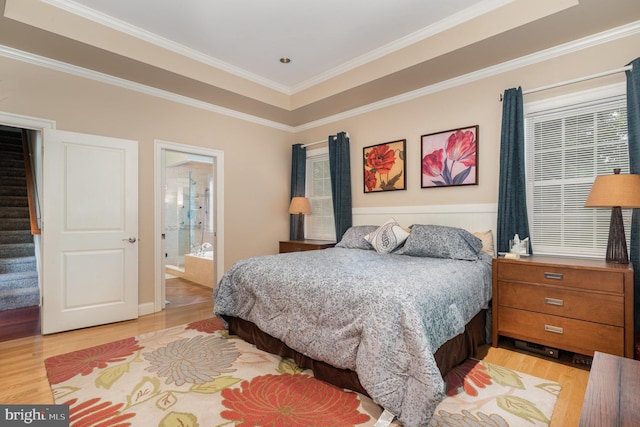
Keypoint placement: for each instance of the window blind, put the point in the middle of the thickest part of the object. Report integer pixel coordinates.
(567, 147)
(320, 224)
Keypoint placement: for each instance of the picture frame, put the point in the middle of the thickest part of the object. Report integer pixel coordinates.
(384, 166)
(449, 158)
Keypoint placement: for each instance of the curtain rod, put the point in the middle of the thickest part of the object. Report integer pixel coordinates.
(577, 80)
(313, 143)
(320, 142)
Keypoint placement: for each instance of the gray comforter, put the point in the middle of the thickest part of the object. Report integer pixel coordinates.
(381, 315)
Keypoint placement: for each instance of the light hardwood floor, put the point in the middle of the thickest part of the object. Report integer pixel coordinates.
(25, 380)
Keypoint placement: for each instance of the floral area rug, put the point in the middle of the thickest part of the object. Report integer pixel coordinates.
(197, 375)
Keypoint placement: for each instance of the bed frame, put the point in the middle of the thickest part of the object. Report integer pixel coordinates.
(450, 355)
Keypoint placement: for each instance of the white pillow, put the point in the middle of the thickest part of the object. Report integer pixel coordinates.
(387, 237)
(487, 241)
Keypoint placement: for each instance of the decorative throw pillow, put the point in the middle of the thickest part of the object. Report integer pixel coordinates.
(487, 241)
(438, 241)
(353, 238)
(387, 237)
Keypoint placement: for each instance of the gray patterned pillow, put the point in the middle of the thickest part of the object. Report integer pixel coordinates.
(438, 241)
(353, 238)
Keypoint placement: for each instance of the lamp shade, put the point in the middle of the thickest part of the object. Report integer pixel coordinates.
(300, 205)
(609, 191)
(616, 192)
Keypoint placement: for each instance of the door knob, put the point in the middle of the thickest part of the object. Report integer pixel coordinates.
(130, 240)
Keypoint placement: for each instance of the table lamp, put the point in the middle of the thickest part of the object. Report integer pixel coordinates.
(615, 191)
(300, 206)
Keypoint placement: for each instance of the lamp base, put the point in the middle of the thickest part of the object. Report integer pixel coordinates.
(617, 244)
(300, 228)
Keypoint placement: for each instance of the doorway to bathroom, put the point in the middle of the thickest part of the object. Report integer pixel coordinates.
(190, 214)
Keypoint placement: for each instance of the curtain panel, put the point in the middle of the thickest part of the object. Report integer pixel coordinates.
(298, 174)
(512, 198)
(633, 124)
(340, 171)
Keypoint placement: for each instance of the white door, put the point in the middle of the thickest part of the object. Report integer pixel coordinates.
(89, 230)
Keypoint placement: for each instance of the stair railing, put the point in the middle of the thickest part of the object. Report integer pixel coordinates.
(31, 187)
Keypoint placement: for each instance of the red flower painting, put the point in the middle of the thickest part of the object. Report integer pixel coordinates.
(290, 400)
(384, 167)
(450, 158)
(66, 366)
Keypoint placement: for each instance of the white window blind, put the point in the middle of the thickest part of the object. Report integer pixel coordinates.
(320, 224)
(567, 147)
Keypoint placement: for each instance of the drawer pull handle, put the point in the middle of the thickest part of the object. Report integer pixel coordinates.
(554, 301)
(554, 276)
(554, 329)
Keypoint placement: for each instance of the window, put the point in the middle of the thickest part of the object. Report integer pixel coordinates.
(569, 143)
(319, 225)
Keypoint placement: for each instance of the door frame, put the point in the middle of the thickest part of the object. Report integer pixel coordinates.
(159, 147)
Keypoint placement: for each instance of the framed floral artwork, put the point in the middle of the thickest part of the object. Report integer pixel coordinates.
(450, 157)
(384, 166)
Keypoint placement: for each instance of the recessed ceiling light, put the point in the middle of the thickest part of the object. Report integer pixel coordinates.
(285, 60)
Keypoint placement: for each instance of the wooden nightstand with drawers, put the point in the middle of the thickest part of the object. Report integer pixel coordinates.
(573, 304)
(304, 245)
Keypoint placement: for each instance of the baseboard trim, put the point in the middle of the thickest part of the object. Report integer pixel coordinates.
(146, 308)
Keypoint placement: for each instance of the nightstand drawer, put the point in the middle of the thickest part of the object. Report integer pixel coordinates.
(560, 332)
(571, 277)
(599, 308)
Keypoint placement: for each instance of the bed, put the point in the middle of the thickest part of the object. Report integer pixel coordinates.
(386, 323)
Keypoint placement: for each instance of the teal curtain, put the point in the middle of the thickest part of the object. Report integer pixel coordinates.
(633, 124)
(298, 174)
(340, 171)
(512, 192)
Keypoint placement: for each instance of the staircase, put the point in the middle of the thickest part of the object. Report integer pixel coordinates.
(18, 271)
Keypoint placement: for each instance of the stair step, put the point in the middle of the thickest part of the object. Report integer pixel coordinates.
(18, 298)
(18, 280)
(11, 146)
(12, 171)
(14, 201)
(13, 181)
(15, 162)
(17, 265)
(15, 191)
(15, 236)
(14, 212)
(16, 250)
(15, 224)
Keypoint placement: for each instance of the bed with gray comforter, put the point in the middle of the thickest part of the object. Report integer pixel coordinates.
(381, 315)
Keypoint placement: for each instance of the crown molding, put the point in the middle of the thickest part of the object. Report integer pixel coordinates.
(545, 55)
(417, 36)
(49, 63)
(139, 33)
(524, 61)
(449, 22)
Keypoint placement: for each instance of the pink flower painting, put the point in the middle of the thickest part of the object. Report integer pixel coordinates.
(450, 158)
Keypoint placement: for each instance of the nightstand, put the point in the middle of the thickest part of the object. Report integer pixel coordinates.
(304, 245)
(579, 305)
